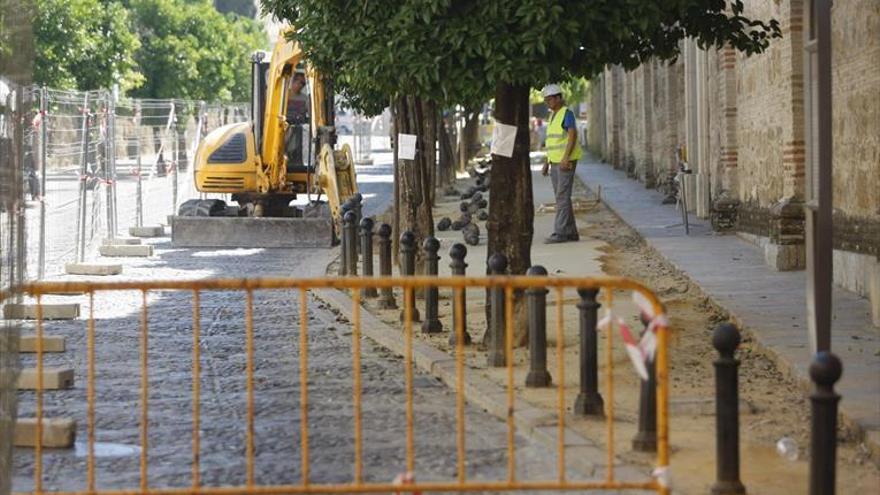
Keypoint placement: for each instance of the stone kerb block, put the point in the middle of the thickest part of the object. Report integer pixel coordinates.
(147, 231)
(50, 311)
(51, 343)
(53, 378)
(57, 433)
(126, 251)
(121, 241)
(96, 269)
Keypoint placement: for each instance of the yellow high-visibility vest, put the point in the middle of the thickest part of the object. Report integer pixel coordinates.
(557, 139)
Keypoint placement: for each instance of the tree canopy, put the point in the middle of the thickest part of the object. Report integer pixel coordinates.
(84, 44)
(151, 48)
(192, 51)
(455, 51)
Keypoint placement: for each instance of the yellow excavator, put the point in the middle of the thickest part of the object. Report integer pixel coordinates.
(250, 161)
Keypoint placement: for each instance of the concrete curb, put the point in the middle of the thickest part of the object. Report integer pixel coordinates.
(532, 422)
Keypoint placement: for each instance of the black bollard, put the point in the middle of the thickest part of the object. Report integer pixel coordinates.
(354, 206)
(432, 323)
(537, 307)
(349, 226)
(357, 202)
(367, 254)
(589, 401)
(408, 259)
(497, 357)
(459, 302)
(386, 297)
(344, 208)
(825, 371)
(725, 339)
(646, 438)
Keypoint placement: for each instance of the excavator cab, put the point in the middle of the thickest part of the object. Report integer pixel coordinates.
(260, 166)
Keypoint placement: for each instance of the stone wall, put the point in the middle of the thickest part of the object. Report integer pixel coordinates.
(855, 44)
(751, 136)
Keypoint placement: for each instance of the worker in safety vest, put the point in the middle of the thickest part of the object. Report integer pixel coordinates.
(563, 153)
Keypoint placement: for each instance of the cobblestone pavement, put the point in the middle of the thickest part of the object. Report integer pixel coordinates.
(223, 392)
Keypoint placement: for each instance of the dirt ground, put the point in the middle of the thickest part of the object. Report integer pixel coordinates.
(772, 406)
(776, 407)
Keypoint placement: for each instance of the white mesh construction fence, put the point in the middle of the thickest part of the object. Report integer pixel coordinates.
(100, 164)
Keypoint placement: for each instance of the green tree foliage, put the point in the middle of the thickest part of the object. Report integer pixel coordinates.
(84, 44)
(192, 51)
(574, 91)
(151, 48)
(457, 50)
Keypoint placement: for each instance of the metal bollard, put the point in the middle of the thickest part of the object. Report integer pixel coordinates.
(346, 244)
(589, 401)
(367, 251)
(386, 294)
(349, 228)
(459, 302)
(824, 371)
(646, 438)
(725, 339)
(496, 357)
(408, 257)
(432, 323)
(357, 208)
(537, 307)
(357, 202)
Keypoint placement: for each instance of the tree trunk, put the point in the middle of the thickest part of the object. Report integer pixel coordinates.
(415, 175)
(429, 123)
(511, 209)
(446, 165)
(395, 224)
(469, 139)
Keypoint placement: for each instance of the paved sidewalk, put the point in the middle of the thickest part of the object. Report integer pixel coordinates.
(769, 304)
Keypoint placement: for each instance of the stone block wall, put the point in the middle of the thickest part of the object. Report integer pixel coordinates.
(755, 125)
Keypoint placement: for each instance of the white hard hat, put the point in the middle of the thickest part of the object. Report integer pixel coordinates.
(550, 90)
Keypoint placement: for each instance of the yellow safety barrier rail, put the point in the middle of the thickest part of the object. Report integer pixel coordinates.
(510, 284)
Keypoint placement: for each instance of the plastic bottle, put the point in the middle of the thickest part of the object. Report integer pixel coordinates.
(787, 448)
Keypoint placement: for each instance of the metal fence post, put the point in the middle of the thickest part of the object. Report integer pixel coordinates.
(537, 308)
(139, 215)
(174, 156)
(44, 122)
(589, 401)
(725, 339)
(408, 256)
(111, 165)
(386, 298)
(645, 439)
(349, 227)
(459, 303)
(367, 250)
(496, 357)
(83, 180)
(825, 370)
(432, 322)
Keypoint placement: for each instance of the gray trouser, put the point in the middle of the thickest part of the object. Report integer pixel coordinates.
(294, 146)
(564, 224)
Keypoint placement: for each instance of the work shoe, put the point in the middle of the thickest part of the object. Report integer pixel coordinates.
(555, 239)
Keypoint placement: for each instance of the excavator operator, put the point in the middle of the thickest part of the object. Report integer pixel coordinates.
(297, 120)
